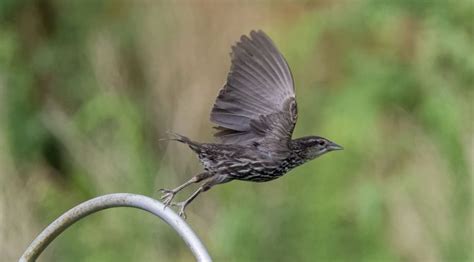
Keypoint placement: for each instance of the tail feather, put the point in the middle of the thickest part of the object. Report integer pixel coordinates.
(183, 139)
(176, 137)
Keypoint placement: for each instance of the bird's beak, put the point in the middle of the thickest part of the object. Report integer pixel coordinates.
(333, 146)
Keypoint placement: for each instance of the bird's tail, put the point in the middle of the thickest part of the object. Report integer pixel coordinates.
(180, 138)
(175, 137)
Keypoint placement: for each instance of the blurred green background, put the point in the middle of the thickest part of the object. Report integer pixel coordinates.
(88, 87)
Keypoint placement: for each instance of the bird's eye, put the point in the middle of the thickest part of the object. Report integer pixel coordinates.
(322, 143)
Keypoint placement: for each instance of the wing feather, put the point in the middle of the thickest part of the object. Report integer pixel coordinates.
(257, 105)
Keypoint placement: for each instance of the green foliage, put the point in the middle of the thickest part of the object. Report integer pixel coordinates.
(87, 88)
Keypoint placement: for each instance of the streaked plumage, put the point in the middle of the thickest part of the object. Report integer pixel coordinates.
(256, 114)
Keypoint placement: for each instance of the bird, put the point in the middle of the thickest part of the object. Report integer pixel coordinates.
(255, 113)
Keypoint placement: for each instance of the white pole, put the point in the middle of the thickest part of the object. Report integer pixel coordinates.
(116, 200)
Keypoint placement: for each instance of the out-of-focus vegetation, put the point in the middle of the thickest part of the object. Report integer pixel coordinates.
(88, 87)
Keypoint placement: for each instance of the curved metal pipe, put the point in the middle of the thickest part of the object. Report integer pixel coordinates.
(116, 200)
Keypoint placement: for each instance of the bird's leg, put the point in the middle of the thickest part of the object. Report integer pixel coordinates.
(182, 205)
(169, 194)
(206, 186)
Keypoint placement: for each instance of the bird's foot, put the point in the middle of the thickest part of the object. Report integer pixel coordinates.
(168, 196)
(181, 205)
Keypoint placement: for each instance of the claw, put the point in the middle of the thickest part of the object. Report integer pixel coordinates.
(168, 196)
(182, 206)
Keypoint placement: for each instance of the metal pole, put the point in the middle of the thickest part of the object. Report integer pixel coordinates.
(116, 200)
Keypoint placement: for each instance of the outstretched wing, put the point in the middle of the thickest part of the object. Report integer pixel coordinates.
(257, 105)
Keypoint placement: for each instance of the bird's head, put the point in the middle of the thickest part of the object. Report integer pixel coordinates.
(311, 147)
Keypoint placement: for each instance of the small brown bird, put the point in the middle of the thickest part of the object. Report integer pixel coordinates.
(256, 114)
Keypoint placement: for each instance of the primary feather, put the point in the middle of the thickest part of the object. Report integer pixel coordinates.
(257, 105)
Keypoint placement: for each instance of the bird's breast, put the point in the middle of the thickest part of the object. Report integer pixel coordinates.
(247, 167)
